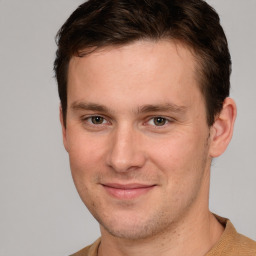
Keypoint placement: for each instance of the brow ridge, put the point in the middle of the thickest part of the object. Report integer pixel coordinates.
(167, 107)
(89, 106)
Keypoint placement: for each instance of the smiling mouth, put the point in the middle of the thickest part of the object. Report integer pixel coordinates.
(128, 191)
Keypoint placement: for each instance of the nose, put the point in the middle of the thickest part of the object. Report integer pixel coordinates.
(125, 151)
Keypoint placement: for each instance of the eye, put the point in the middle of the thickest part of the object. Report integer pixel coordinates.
(158, 121)
(97, 120)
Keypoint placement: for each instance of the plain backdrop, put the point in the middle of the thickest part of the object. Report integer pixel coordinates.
(40, 210)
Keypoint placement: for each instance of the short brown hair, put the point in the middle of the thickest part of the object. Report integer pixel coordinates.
(101, 23)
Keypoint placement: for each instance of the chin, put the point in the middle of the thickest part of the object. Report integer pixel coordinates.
(130, 233)
(134, 229)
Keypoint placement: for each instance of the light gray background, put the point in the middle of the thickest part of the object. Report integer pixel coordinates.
(40, 211)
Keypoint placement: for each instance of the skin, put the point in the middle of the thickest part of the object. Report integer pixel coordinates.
(140, 148)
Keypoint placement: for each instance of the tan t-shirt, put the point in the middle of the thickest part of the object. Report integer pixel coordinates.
(231, 243)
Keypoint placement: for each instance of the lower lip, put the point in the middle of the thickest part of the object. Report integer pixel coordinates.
(127, 194)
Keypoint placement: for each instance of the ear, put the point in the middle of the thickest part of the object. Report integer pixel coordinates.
(64, 129)
(222, 129)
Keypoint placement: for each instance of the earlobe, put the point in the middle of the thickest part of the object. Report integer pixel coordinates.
(64, 130)
(222, 129)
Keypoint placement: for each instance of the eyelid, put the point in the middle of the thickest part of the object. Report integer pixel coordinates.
(85, 118)
(168, 120)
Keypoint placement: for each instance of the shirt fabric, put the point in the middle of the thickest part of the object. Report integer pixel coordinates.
(230, 243)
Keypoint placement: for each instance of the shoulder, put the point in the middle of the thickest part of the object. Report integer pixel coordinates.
(83, 252)
(90, 250)
(232, 243)
(238, 243)
(243, 245)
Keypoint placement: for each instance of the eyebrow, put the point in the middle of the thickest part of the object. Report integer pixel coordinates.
(167, 107)
(89, 106)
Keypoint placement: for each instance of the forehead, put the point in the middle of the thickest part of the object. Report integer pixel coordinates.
(135, 52)
(143, 69)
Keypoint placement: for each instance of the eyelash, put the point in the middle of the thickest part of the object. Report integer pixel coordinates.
(153, 120)
(88, 120)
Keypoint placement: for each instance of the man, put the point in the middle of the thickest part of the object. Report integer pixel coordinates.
(144, 88)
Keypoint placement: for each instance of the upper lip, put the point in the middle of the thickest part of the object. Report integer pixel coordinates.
(128, 186)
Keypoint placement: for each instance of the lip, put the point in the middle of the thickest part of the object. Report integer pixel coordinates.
(127, 191)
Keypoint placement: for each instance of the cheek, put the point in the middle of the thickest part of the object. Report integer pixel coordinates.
(183, 167)
(84, 150)
(86, 156)
(85, 165)
(174, 151)
(181, 159)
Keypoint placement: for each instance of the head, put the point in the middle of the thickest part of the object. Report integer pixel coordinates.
(97, 24)
(144, 108)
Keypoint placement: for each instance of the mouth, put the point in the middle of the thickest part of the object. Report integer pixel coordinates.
(127, 191)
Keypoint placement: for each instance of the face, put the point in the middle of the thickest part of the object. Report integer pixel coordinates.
(137, 137)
